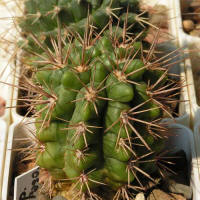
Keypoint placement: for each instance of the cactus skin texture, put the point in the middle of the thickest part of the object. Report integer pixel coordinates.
(101, 98)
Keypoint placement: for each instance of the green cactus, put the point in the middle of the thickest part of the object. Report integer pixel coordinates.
(99, 97)
(41, 18)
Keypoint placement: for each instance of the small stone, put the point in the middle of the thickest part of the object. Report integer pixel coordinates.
(178, 196)
(157, 194)
(42, 197)
(59, 198)
(197, 27)
(140, 196)
(195, 33)
(188, 25)
(178, 188)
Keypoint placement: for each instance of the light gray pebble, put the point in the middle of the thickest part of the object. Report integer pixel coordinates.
(140, 196)
(42, 197)
(178, 188)
(59, 198)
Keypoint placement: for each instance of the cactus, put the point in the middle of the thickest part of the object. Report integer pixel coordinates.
(98, 97)
(44, 18)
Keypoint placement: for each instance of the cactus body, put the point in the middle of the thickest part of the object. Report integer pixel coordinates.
(100, 96)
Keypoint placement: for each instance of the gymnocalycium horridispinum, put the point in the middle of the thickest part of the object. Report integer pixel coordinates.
(98, 95)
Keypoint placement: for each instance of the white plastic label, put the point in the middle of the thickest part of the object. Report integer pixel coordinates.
(27, 185)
